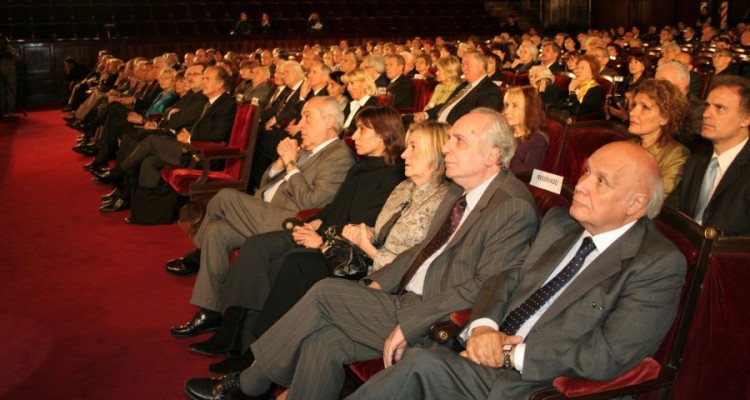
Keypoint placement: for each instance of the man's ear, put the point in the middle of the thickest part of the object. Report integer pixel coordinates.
(638, 202)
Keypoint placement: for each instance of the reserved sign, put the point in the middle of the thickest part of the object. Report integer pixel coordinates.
(547, 181)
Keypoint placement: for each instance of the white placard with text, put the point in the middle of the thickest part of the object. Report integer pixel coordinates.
(547, 181)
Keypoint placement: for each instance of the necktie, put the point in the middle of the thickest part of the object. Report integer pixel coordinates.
(304, 155)
(283, 102)
(461, 93)
(197, 121)
(707, 187)
(441, 237)
(522, 313)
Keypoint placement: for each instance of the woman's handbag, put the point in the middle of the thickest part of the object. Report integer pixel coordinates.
(345, 259)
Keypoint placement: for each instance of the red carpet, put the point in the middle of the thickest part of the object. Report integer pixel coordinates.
(85, 303)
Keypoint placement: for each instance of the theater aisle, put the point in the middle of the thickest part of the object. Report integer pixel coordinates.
(85, 303)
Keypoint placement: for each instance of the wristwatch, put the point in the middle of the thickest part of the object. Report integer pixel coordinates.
(291, 163)
(507, 349)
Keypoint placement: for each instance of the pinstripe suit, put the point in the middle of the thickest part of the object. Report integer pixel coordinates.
(232, 216)
(339, 322)
(610, 317)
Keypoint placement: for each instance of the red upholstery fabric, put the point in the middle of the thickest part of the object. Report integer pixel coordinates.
(522, 79)
(562, 82)
(715, 362)
(304, 215)
(555, 132)
(581, 141)
(545, 199)
(181, 178)
(461, 318)
(423, 90)
(363, 370)
(643, 371)
(510, 76)
(605, 84)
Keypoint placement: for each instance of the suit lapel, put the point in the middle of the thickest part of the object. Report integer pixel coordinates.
(733, 172)
(606, 264)
(478, 208)
(534, 276)
(697, 180)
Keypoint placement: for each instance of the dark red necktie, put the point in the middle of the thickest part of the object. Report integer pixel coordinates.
(441, 237)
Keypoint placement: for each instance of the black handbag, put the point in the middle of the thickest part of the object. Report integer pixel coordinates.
(345, 259)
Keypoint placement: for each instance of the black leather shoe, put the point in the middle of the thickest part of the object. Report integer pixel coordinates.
(129, 220)
(107, 176)
(115, 206)
(230, 365)
(114, 193)
(225, 388)
(199, 324)
(182, 266)
(85, 149)
(94, 164)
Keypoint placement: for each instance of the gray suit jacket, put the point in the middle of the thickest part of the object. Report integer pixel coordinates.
(615, 313)
(316, 184)
(494, 237)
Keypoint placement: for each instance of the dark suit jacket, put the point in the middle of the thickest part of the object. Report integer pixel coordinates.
(349, 130)
(728, 209)
(190, 107)
(556, 67)
(382, 81)
(288, 111)
(273, 107)
(485, 94)
(216, 124)
(611, 316)
(492, 239)
(403, 92)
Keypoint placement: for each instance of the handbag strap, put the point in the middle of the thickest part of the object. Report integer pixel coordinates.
(383, 234)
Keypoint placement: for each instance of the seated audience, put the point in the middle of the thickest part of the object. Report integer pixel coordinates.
(337, 89)
(525, 114)
(527, 54)
(494, 72)
(550, 57)
(658, 114)
(270, 274)
(307, 348)
(528, 328)
(302, 177)
(243, 26)
(259, 88)
(723, 65)
(714, 189)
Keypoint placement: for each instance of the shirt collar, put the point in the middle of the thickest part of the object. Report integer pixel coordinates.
(472, 197)
(604, 240)
(323, 145)
(213, 99)
(726, 158)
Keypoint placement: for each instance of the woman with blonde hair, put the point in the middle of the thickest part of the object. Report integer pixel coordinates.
(449, 75)
(525, 114)
(362, 90)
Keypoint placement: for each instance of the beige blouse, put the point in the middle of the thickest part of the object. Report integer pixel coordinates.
(411, 227)
(671, 158)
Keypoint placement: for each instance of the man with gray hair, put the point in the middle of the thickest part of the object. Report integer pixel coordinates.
(481, 229)
(375, 66)
(676, 74)
(302, 177)
(596, 293)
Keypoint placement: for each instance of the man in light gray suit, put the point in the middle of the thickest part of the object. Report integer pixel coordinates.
(482, 227)
(302, 177)
(602, 309)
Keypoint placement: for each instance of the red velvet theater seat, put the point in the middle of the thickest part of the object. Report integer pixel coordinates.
(200, 183)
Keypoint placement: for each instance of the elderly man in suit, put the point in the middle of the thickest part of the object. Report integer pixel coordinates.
(157, 151)
(715, 189)
(274, 120)
(477, 91)
(597, 292)
(300, 178)
(400, 87)
(482, 228)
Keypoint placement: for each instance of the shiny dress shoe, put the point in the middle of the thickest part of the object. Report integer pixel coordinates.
(199, 324)
(225, 388)
(117, 205)
(86, 150)
(93, 164)
(182, 266)
(129, 221)
(114, 193)
(230, 365)
(69, 118)
(107, 176)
